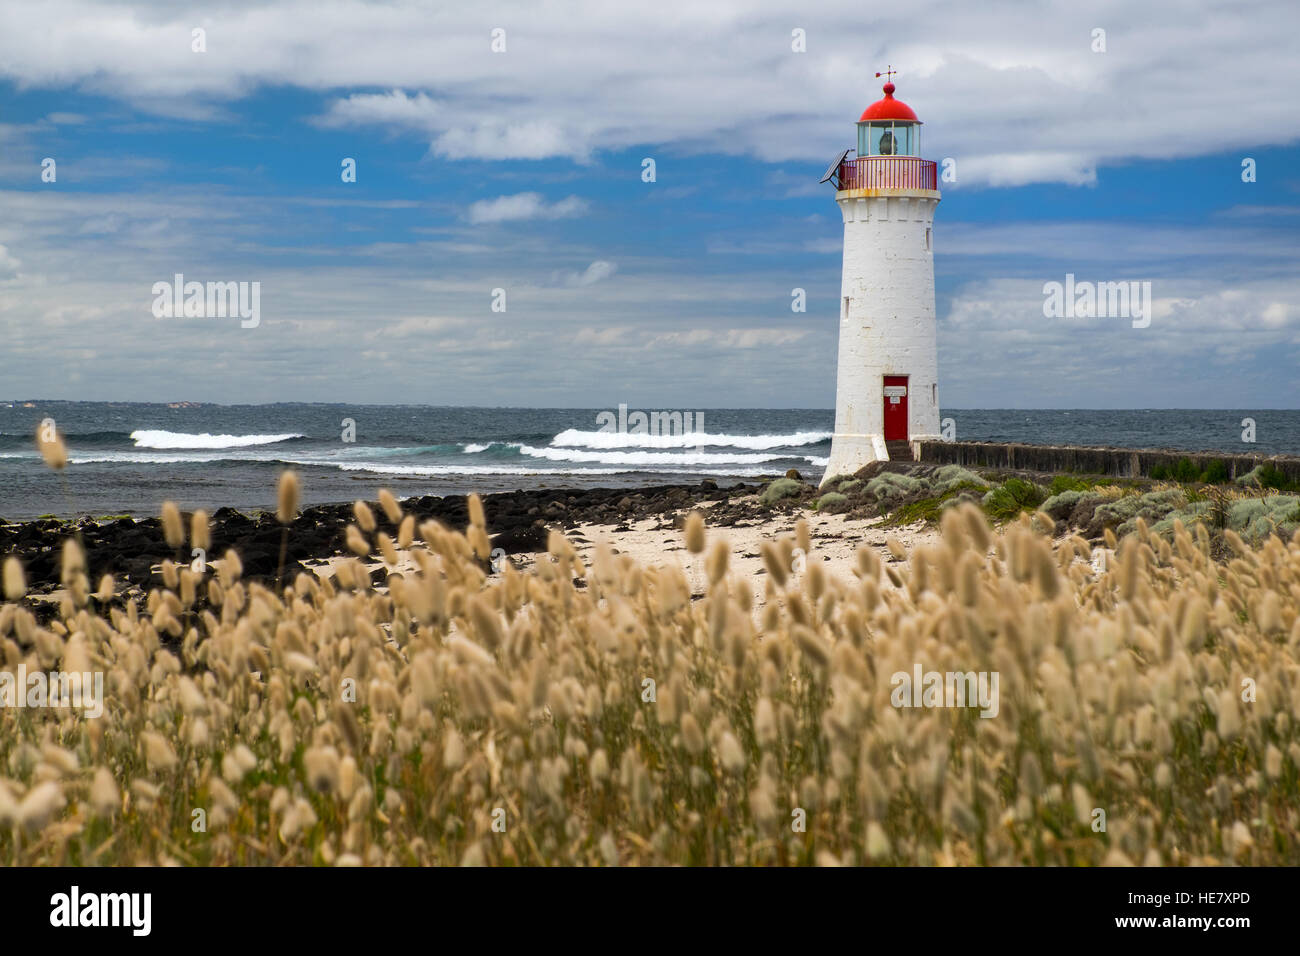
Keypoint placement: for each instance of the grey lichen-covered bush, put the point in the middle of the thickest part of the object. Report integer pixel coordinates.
(1257, 518)
(849, 485)
(1251, 478)
(781, 488)
(950, 476)
(1061, 506)
(832, 502)
(889, 486)
(1198, 512)
(1122, 513)
(1254, 519)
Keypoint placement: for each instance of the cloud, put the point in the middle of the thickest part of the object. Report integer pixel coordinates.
(524, 206)
(1021, 169)
(597, 271)
(702, 341)
(394, 108)
(702, 299)
(729, 338)
(1013, 99)
(1209, 344)
(9, 265)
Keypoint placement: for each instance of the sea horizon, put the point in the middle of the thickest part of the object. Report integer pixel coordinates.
(127, 457)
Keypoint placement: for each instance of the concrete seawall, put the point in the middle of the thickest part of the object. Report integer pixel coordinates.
(1080, 459)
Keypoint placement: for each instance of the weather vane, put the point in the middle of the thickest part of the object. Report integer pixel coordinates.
(888, 74)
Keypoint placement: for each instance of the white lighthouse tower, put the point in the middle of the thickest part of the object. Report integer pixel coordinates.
(887, 382)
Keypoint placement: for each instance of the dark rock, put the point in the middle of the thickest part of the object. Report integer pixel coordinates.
(527, 540)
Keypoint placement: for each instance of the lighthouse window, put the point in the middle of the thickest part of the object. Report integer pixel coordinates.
(887, 138)
(927, 240)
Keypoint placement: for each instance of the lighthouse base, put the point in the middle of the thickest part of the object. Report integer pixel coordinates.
(849, 453)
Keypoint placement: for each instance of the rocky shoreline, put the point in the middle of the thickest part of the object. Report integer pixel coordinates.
(519, 522)
(890, 494)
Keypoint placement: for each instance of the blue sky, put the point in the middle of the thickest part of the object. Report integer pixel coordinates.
(522, 170)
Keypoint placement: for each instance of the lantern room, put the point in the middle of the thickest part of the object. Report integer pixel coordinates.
(889, 127)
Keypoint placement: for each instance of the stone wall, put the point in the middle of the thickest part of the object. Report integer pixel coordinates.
(1114, 462)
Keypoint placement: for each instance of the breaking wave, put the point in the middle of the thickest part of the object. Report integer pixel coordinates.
(157, 438)
(588, 439)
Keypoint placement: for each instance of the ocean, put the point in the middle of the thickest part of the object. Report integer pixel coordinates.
(125, 458)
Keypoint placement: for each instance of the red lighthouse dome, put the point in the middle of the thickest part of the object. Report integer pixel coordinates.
(889, 108)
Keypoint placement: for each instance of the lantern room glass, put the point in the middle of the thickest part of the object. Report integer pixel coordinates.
(889, 138)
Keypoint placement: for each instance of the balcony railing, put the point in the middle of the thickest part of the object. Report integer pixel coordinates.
(888, 172)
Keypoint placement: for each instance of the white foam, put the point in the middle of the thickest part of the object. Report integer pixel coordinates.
(157, 438)
(474, 449)
(436, 470)
(647, 457)
(145, 458)
(602, 439)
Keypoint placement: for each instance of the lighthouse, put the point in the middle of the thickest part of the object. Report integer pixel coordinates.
(887, 379)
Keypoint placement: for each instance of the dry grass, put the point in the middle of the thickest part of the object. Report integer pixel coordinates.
(461, 719)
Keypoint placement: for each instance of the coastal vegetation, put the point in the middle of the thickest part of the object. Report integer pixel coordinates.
(1261, 503)
(425, 703)
(620, 714)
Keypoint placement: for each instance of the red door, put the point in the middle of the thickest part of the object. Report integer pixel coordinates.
(895, 407)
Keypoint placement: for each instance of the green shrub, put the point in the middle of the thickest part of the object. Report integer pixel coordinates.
(927, 509)
(1063, 483)
(1186, 471)
(1181, 470)
(781, 488)
(849, 485)
(1271, 477)
(930, 510)
(1268, 476)
(1013, 497)
(1216, 473)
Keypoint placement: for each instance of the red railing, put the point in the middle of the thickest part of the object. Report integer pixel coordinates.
(888, 172)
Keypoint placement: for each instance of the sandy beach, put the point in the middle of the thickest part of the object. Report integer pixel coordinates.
(658, 541)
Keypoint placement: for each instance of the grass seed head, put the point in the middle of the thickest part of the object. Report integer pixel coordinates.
(289, 493)
(392, 510)
(173, 527)
(14, 581)
(695, 532)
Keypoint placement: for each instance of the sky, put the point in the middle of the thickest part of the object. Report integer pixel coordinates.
(521, 168)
